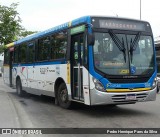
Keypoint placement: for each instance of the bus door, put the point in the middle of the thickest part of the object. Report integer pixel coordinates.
(77, 48)
(10, 66)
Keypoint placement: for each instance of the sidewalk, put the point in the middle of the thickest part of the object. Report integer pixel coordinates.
(8, 114)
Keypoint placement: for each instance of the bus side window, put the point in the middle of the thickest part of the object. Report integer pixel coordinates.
(85, 53)
(6, 56)
(30, 53)
(43, 46)
(76, 53)
(58, 45)
(16, 54)
(22, 53)
(52, 56)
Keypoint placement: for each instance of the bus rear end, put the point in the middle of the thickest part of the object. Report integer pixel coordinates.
(7, 65)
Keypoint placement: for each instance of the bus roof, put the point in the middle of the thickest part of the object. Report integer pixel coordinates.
(75, 22)
(81, 20)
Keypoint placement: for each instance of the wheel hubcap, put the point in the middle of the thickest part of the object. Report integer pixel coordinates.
(63, 95)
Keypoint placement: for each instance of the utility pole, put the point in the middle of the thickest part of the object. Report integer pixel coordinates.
(140, 10)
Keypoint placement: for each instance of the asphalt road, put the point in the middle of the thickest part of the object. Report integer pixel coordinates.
(41, 112)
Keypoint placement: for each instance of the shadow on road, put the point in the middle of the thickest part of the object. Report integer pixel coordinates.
(91, 111)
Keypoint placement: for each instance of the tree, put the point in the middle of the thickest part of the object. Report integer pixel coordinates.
(9, 24)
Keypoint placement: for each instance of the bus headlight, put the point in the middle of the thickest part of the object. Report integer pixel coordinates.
(154, 83)
(98, 85)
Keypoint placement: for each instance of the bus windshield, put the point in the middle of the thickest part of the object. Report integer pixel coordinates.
(123, 54)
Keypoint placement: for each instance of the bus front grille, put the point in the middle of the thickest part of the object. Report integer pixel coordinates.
(123, 98)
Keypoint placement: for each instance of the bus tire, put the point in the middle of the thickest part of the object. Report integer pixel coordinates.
(19, 90)
(157, 88)
(62, 97)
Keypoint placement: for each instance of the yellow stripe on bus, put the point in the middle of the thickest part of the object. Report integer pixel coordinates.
(10, 45)
(128, 90)
(5, 65)
(68, 73)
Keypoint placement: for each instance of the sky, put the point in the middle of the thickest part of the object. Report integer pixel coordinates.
(39, 15)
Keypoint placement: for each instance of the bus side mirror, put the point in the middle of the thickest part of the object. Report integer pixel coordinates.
(91, 39)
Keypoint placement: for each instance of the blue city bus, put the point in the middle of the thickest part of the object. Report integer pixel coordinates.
(93, 60)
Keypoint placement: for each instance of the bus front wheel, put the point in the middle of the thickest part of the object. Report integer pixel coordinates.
(19, 90)
(62, 96)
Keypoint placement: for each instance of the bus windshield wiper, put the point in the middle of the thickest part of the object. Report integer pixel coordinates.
(119, 44)
(134, 44)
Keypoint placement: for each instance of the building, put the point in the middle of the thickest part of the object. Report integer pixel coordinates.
(157, 44)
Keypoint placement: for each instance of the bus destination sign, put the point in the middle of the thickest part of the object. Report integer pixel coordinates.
(122, 24)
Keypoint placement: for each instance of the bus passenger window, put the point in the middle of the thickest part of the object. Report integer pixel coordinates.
(76, 53)
(85, 52)
(59, 45)
(6, 56)
(16, 54)
(43, 46)
(22, 54)
(31, 53)
(52, 56)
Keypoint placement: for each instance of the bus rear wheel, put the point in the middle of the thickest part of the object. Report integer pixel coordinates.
(19, 90)
(62, 96)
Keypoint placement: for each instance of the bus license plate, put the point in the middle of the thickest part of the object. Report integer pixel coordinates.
(131, 97)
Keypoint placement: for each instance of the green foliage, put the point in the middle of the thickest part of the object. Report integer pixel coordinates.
(25, 33)
(2, 49)
(9, 23)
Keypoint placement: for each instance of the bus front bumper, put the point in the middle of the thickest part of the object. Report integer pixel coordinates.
(102, 98)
